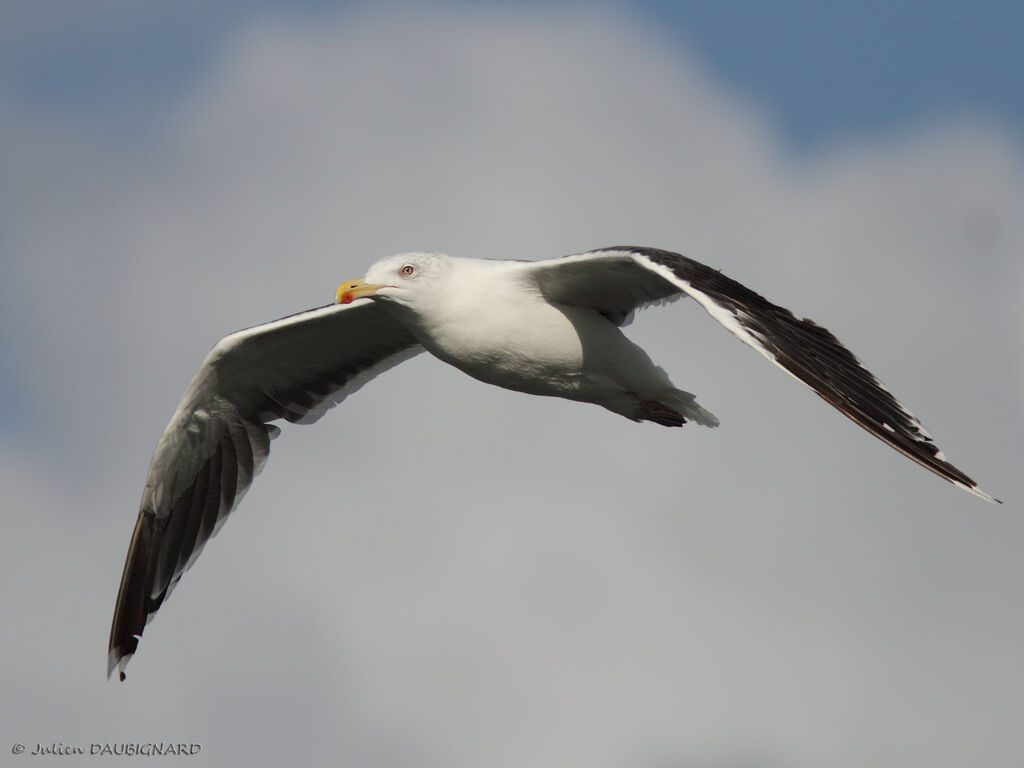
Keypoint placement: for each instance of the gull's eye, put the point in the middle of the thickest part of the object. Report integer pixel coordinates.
(407, 270)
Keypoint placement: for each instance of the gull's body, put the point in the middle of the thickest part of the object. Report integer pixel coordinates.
(497, 326)
(545, 328)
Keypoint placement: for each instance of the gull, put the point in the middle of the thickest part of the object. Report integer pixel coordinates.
(542, 327)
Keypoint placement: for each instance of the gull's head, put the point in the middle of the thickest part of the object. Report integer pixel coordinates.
(400, 278)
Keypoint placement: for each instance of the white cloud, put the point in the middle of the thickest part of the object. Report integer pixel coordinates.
(447, 573)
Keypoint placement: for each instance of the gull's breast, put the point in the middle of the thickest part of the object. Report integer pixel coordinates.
(519, 342)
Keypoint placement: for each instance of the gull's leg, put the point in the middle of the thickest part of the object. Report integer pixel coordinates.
(659, 413)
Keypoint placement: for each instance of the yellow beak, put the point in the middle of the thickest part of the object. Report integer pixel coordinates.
(355, 289)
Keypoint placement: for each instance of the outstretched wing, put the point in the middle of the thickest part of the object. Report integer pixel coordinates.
(615, 281)
(217, 441)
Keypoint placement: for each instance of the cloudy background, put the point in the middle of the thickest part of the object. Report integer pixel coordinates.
(446, 574)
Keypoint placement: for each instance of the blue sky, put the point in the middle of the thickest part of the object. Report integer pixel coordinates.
(441, 573)
(825, 71)
(830, 70)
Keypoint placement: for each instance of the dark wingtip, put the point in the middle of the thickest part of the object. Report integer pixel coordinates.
(132, 607)
(117, 659)
(974, 489)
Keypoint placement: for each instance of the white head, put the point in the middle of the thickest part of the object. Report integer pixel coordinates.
(402, 278)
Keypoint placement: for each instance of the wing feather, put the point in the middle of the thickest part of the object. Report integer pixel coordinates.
(219, 438)
(617, 280)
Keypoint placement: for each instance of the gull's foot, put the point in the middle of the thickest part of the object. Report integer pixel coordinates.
(659, 413)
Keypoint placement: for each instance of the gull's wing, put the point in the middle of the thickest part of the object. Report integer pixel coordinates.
(615, 281)
(294, 368)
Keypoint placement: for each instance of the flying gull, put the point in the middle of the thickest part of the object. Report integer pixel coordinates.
(543, 327)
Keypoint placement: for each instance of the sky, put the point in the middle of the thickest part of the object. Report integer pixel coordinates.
(441, 573)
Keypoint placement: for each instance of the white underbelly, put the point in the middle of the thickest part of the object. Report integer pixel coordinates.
(540, 352)
(546, 349)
